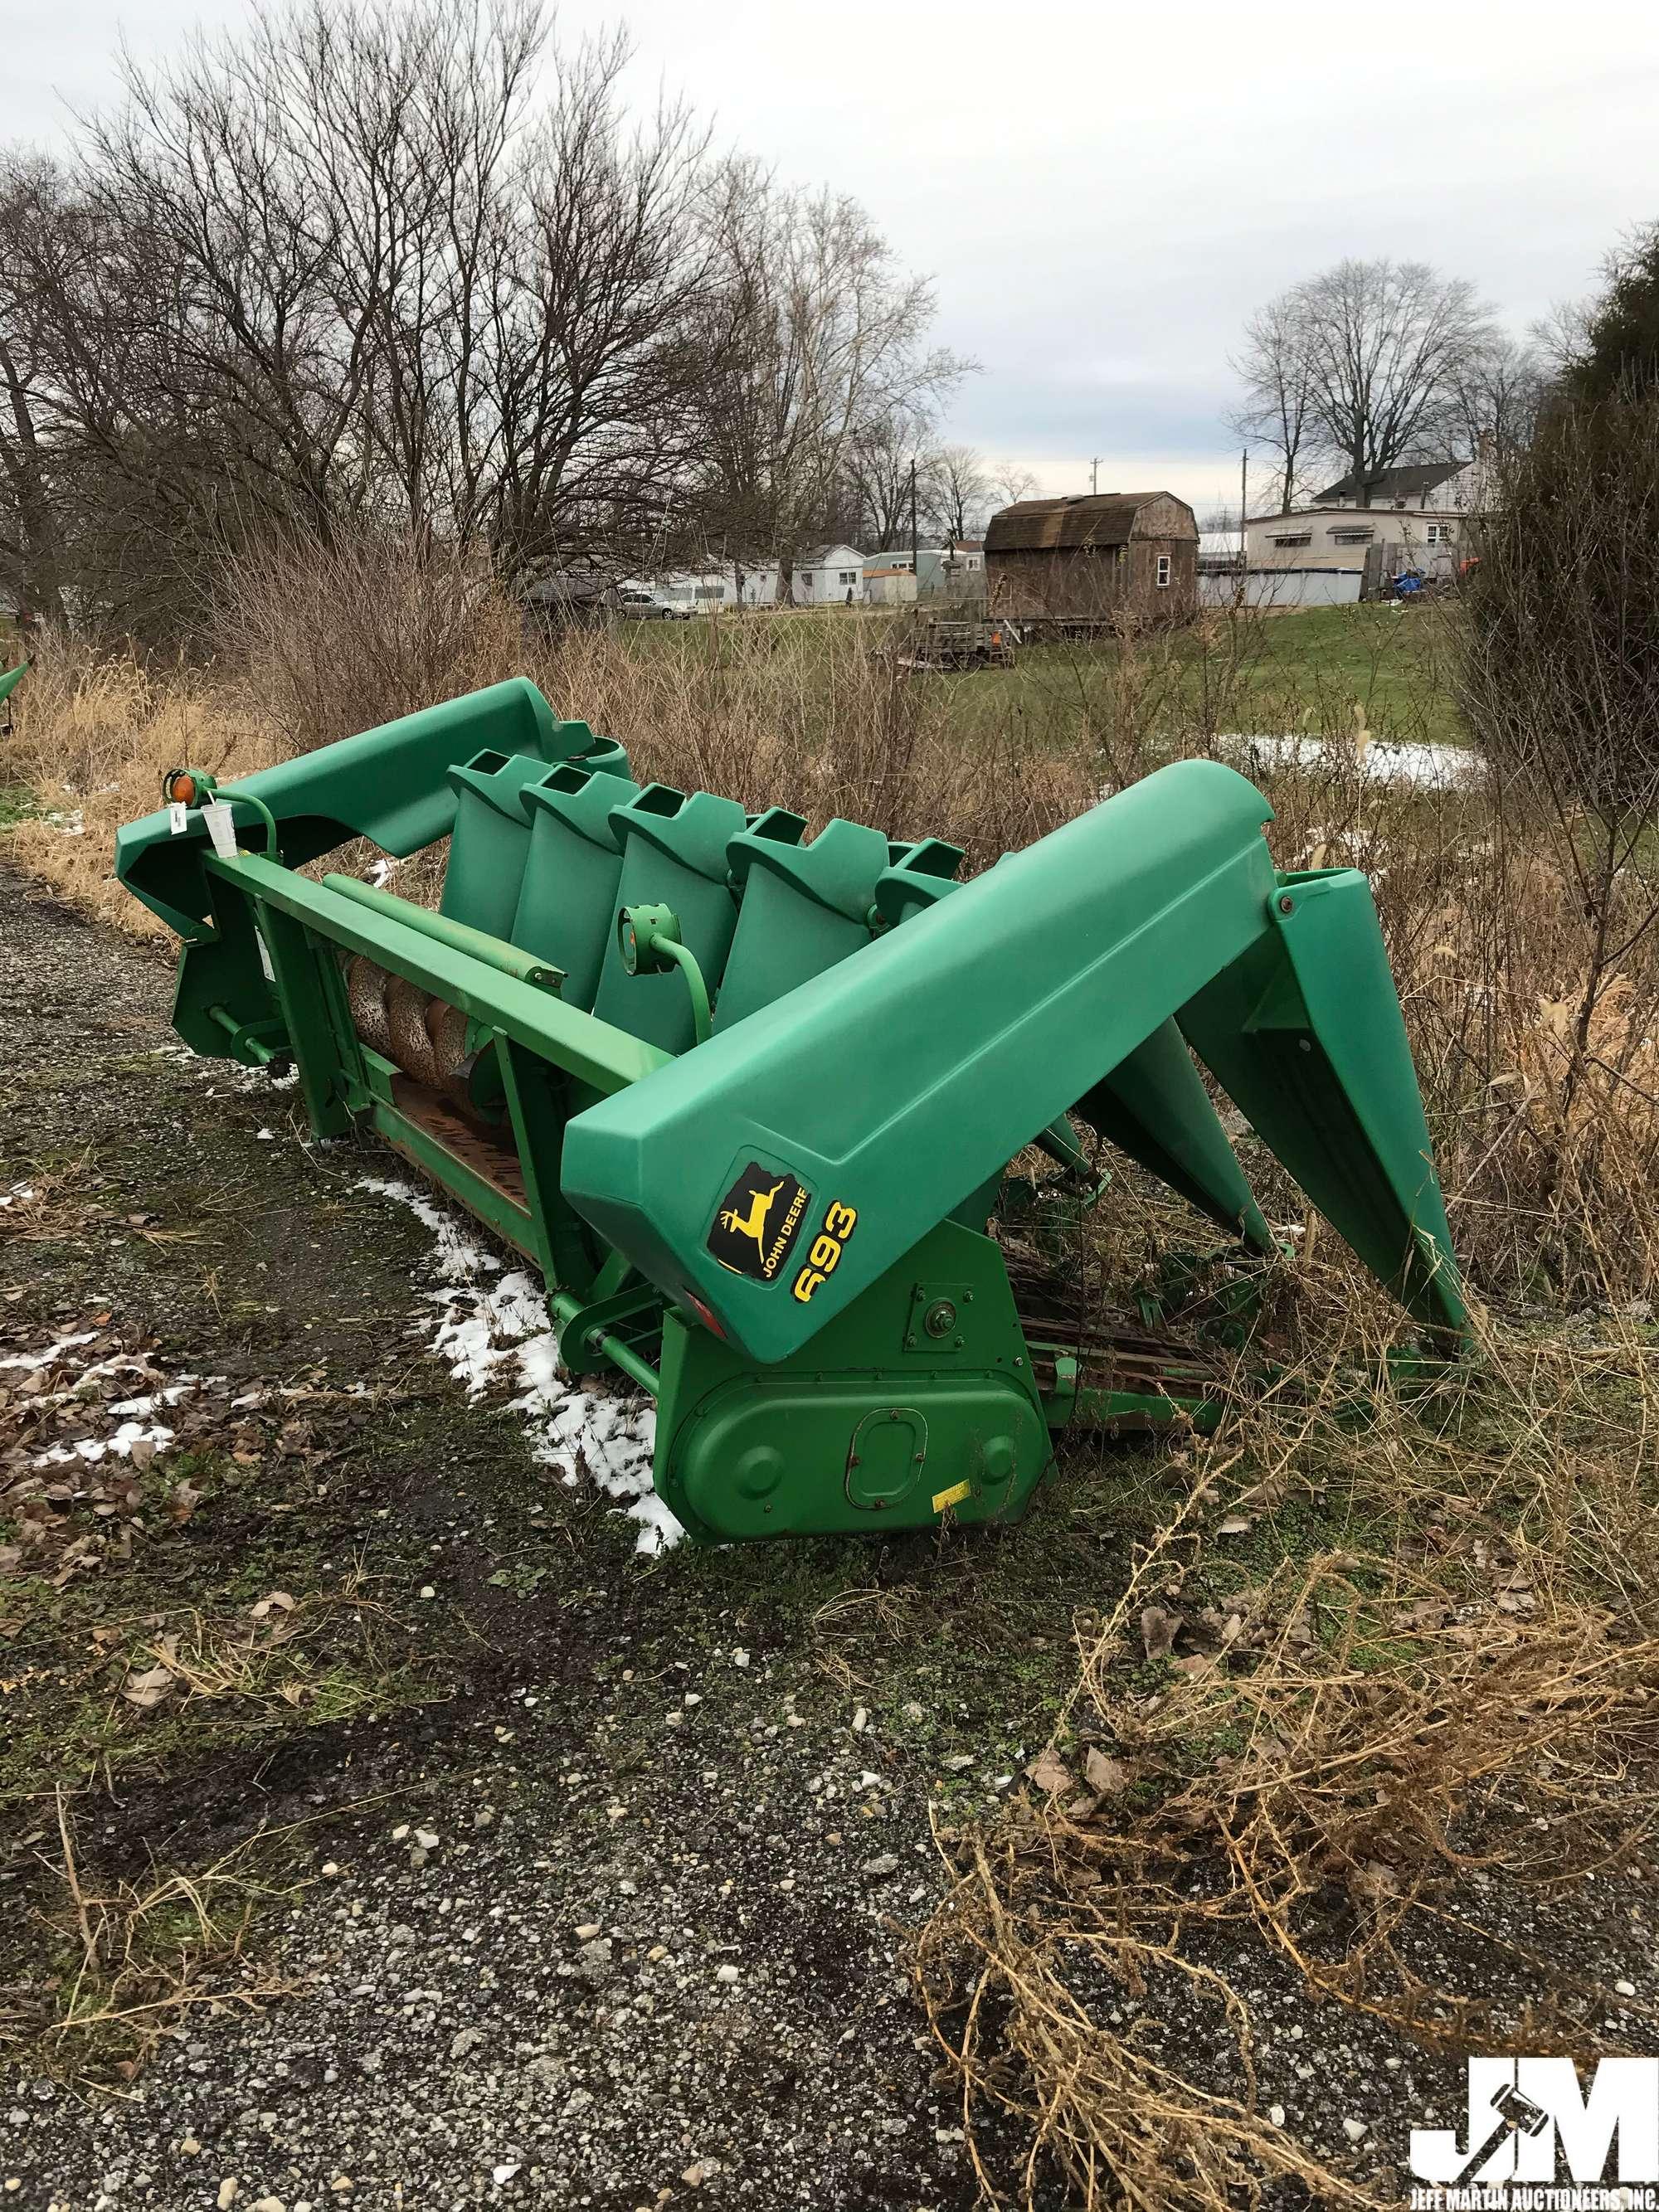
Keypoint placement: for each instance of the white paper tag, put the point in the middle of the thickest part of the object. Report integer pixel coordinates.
(178, 818)
(221, 828)
(264, 958)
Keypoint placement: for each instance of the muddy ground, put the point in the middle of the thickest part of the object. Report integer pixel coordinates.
(378, 1825)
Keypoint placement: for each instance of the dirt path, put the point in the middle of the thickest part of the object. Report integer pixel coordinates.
(678, 1807)
(571, 1875)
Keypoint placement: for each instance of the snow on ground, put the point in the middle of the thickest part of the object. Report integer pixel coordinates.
(136, 1424)
(157, 1436)
(1420, 765)
(53, 1352)
(492, 1324)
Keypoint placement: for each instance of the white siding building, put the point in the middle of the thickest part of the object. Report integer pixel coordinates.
(828, 575)
(1420, 517)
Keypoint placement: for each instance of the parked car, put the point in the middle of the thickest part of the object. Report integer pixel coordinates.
(641, 605)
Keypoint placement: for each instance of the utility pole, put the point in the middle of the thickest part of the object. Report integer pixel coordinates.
(1094, 474)
(1243, 509)
(913, 526)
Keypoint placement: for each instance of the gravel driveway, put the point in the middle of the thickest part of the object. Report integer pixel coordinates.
(574, 1875)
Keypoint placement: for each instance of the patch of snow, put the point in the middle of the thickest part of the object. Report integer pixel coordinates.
(33, 1359)
(20, 1193)
(138, 1408)
(97, 1448)
(501, 1330)
(240, 1078)
(1416, 764)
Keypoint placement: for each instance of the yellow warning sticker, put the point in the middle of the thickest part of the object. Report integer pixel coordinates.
(954, 1496)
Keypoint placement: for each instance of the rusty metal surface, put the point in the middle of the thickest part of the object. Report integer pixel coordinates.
(411, 1042)
(497, 1165)
(1113, 1353)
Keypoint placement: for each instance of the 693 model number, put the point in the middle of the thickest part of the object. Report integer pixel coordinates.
(824, 1258)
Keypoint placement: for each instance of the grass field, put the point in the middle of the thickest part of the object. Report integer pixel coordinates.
(1303, 670)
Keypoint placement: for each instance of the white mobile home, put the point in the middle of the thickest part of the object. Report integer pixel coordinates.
(827, 576)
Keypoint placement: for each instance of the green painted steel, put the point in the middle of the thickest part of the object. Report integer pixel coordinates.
(567, 894)
(869, 1428)
(460, 936)
(390, 785)
(673, 855)
(1303, 1030)
(598, 1054)
(898, 1082)
(11, 678)
(775, 1220)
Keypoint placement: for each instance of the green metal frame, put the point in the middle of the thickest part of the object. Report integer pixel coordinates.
(772, 1216)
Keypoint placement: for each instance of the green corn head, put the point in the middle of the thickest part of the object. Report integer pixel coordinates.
(748, 1100)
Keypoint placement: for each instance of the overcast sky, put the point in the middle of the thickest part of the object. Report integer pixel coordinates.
(1103, 192)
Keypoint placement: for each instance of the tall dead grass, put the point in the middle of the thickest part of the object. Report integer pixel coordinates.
(1373, 1689)
(1538, 1059)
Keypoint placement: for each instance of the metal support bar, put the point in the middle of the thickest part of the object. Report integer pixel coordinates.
(594, 1052)
(460, 936)
(244, 1036)
(608, 1345)
(305, 993)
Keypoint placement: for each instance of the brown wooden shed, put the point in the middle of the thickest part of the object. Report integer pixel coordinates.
(1102, 556)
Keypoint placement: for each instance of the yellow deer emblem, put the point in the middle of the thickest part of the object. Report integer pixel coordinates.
(752, 1224)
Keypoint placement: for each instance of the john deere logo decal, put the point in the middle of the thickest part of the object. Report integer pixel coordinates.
(756, 1222)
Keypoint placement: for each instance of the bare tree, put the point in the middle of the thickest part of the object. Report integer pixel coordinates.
(595, 360)
(1562, 335)
(351, 265)
(1362, 362)
(815, 340)
(1276, 368)
(1497, 395)
(880, 463)
(1010, 482)
(30, 542)
(958, 492)
(1386, 341)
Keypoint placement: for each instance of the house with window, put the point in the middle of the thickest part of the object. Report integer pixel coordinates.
(940, 572)
(827, 576)
(1340, 546)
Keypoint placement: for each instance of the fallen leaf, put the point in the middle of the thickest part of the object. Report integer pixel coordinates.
(1050, 1776)
(1103, 1775)
(149, 1688)
(278, 1601)
(1159, 1627)
(1236, 1524)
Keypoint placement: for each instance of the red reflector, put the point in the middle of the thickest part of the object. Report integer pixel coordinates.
(704, 1315)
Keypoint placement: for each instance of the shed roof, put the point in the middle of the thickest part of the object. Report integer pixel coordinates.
(1030, 525)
